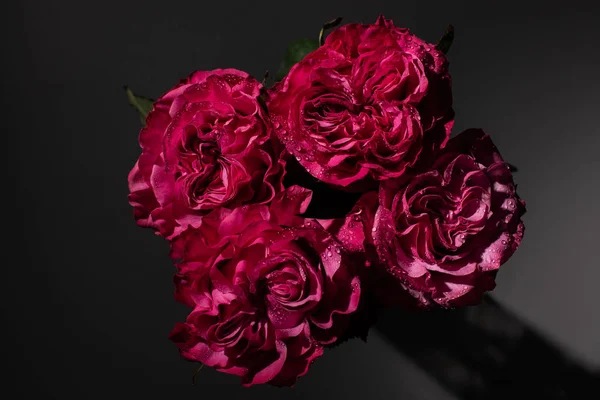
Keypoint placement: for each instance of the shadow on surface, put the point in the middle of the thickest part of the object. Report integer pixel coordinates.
(484, 352)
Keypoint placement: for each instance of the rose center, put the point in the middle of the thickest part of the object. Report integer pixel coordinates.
(285, 282)
(199, 149)
(448, 216)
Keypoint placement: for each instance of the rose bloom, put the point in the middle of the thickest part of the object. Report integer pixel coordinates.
(365, 105)
(445, 232)
(266, 297)
(206, 145)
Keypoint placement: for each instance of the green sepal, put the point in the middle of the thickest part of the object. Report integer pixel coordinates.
(142, 104)
(295, 53)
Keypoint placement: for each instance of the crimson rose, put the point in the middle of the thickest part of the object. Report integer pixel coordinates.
(445, 232)
(206, 145)
(266, 297)
(364, 105)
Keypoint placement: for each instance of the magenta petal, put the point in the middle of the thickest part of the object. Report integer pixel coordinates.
(271, 371)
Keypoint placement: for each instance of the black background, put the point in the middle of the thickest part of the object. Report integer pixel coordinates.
(87, 295)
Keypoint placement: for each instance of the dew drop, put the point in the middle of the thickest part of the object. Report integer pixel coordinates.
(337, 250)
(329, 254)
(374, 229)
(504, 241)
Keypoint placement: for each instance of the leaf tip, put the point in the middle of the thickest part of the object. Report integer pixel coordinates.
(446, 41)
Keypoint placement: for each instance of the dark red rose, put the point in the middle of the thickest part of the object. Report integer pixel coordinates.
(445, 232)
(365, 105)
(206, 145)
(266, 297)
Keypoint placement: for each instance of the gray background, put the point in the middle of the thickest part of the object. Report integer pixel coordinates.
(87, 295)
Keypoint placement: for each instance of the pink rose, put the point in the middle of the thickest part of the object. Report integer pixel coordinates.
(206, 145)
(365, 105)
(444, 232)
(266, 297)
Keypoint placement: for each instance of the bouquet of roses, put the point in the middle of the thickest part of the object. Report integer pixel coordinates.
(294, 211)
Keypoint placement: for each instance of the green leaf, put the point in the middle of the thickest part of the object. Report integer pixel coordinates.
(294, 54)
(446, 40)
(328, 25)
(142, 104)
